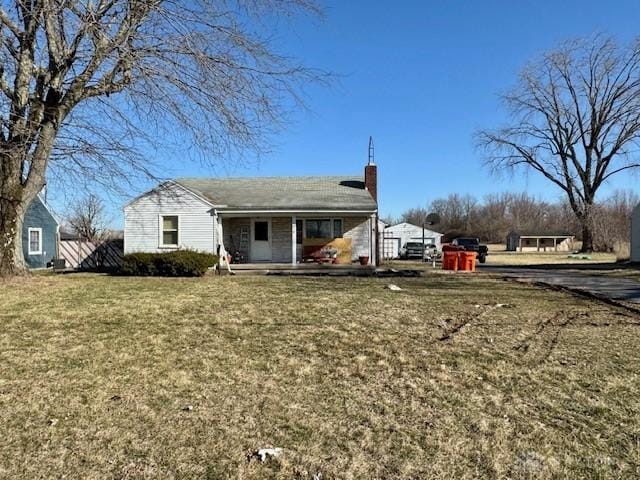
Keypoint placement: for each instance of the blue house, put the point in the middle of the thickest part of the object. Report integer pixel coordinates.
(39, 235)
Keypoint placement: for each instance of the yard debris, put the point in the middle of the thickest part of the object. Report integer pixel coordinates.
(263, 454)
(465, 323)
(394, 288)
(116, 398)
(53, 422)
(187, 408)
(530, 464)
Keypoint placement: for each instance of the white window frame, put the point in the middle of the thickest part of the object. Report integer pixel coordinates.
(161, 243)
(39, 251)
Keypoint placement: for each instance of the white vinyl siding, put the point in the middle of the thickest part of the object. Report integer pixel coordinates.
(143, 221)
(357, 229)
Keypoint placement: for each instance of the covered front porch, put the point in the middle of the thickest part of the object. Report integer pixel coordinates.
(328, 239)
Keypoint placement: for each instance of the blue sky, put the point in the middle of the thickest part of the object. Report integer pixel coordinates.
(421, 77)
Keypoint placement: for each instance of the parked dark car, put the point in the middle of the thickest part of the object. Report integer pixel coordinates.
(472, 244)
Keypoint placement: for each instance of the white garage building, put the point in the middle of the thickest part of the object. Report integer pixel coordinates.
(635, 235)
(395, 237)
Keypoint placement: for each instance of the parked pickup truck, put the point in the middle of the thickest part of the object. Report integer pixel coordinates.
(418, 250)
(472, 244)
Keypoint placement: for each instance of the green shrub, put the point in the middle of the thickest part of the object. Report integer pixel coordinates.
(179, 263)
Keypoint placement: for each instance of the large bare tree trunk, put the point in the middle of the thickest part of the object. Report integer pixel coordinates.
(15, 198)
(586, 221)
(587, 239)
(11, 221)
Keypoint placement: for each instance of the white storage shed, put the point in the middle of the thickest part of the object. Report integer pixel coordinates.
(395, 237)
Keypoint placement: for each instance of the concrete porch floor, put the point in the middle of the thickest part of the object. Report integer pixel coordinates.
(300, 269)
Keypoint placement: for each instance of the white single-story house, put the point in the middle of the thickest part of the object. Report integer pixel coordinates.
(395, 237)
(259, 219)
(635, 235)
(540, 242)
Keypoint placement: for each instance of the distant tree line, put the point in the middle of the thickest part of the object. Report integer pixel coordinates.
(494, 216)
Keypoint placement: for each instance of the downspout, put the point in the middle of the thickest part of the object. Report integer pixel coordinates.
(57, 242)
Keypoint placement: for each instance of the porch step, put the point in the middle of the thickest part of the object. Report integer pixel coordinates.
(300, 269)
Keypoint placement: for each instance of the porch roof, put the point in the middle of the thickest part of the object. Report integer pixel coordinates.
(283, 193)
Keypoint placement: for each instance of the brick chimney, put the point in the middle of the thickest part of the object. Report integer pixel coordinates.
(371, 180)
(371, 173)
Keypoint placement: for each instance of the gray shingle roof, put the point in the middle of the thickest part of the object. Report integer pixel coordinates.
(283, 193)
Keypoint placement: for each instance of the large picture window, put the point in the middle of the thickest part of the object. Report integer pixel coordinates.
(323, 228)
(320, 228)
(170, 226)
(35, 241)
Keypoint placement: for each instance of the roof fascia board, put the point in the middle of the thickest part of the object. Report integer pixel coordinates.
(53, 215)
(173, 183)
(223, 211)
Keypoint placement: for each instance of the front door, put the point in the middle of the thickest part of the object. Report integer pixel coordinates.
(260, 240)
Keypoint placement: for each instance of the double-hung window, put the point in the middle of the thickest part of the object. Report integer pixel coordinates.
(35, 241)
(170, 230)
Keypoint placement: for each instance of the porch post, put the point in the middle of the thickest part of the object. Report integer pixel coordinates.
(294, 238)
(555, 244)
(538, 243)
(219, 248)
(372, 240)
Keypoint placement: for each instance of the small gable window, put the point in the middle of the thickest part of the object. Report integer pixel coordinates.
(170, 229)
(35, 241)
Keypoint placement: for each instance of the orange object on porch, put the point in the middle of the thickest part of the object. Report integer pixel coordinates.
(327, 250)
(450, 260)
(467, 261)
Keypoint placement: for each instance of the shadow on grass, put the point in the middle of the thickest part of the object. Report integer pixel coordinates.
(602, 266)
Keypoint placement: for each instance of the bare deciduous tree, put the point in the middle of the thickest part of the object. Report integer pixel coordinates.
(87, 218)
(576, 121)
(85, 84)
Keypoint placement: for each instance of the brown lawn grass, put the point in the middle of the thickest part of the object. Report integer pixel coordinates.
(351, 379)
(550, 258)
